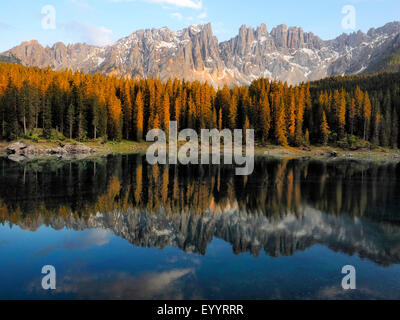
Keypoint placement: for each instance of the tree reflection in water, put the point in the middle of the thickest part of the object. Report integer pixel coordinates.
(284, 206)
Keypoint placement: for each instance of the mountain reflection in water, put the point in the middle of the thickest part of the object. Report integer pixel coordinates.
(284, 207)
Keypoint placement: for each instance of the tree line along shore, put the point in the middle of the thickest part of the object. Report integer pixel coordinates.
(350, 113)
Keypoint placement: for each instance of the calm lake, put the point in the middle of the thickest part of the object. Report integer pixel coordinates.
(118, 228)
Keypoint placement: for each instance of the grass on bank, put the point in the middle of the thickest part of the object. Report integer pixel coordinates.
(102, 145)
(349, 147)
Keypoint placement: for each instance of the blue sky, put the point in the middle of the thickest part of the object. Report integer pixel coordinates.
(104, 21)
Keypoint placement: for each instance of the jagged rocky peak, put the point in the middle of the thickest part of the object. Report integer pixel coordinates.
(30, 43)
(59, 51)
(294, 38)
(389, 28)
(194, 53)
(262, 30)
(248, 34)
(280, 34)
(201, 28)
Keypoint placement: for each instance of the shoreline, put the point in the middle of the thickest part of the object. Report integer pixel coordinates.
(77, 150)
(331, 153)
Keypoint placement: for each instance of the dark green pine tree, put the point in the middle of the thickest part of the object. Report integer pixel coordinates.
(395, 129)
(25, 107)
(386, 121)
(47, 115)
(80, 112)
(12, 130)
(95, 115)
(70, 120)
(58, 108)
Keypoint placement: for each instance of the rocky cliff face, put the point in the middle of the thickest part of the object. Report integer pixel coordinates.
(285, 53)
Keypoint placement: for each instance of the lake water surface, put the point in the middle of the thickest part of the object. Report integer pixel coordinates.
(118, 228)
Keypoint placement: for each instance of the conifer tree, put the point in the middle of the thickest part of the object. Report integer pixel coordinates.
(291, 120)
(232, 113)
(166, 112)
(95, 117)
(81, 105)
(265, 117)
(366, 114)
(341, 114)
(70, 119)
(352, 115)
(324, 130)
(127, 110)
(303, 103)
(139, 116)
(177, 111)
(280, 126)
(395, 130)
(47, 116)
(377, 129)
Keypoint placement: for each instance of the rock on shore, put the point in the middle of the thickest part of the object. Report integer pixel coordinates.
(19, 151)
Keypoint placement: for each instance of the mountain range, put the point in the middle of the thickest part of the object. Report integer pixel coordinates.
(194, 53)
(245, 232)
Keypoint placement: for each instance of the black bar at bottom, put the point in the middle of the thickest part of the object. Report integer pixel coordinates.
(199, 309)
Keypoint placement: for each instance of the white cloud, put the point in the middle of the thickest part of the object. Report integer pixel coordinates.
(202, 15)
(81, 4)
(86, 240)
(192, 4)
(149, 286)
(92, 34)
(177, 16)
